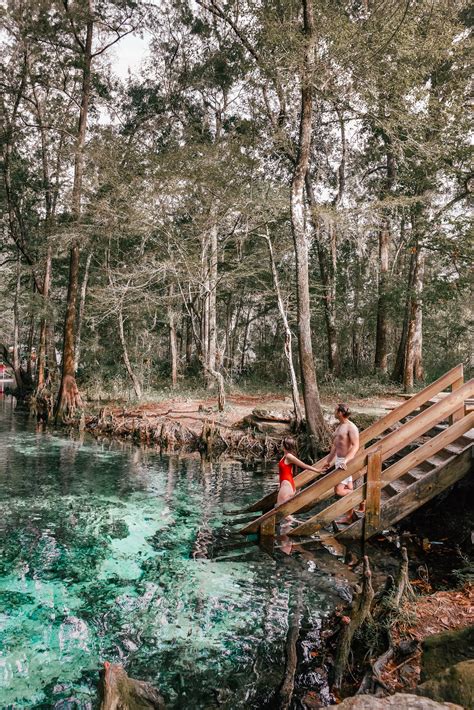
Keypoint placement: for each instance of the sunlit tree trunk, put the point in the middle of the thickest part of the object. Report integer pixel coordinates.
(82, 306)
(42, 348)
(136, 384)
(69, 398)
(173, 338)
(314, 415)
(212, 347)
(413, 361)
(381, 355)
(288, 337)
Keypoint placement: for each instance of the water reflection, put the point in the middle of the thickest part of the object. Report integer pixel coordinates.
(121, 554)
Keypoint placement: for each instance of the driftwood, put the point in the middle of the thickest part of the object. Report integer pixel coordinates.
(388, 602)
(288, 684)
(118, 691)
(361, 610)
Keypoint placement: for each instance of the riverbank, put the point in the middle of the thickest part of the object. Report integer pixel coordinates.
(251, 426)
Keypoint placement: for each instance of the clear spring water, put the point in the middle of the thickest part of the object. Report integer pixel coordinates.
(116, 553)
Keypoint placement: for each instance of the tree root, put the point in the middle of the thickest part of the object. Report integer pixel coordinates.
(288, 684)
(361, 610)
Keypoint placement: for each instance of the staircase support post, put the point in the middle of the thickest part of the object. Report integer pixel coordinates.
(267, 528)
(459, 413)
(374, 487)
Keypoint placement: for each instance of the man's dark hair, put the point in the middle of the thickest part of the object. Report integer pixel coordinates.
(343, 409)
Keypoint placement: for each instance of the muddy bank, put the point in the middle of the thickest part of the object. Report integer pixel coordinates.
(252, 427)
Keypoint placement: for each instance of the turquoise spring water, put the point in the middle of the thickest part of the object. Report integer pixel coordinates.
(118, 553)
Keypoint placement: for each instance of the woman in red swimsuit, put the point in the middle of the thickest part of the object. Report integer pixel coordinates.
(286, 468)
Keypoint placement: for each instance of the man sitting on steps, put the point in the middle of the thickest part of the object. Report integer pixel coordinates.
(344, 448)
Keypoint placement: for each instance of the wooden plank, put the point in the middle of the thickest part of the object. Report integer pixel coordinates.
(417, 494)
(389, 445)
(374, 430)
(374, 486)
(413, 459)
(457, 384)
(267, 529)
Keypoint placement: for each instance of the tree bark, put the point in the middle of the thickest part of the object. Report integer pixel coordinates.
(212, 346)
(399, 368)
(173, 338)
(16, 361)
(136, 384)
(381, 355)
(317, 429)
(414, 334)
(42, 348)
(82, 305)
(381, 338)
(288, 337)
(327, 268)
(69, 398)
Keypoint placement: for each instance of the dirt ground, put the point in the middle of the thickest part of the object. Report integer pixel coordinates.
(427, 615)
(192, 413)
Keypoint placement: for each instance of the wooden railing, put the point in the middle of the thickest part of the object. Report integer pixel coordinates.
(377, 479)
(357, 467)
(453, 378)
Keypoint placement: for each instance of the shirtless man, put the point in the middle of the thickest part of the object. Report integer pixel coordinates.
(344, 448)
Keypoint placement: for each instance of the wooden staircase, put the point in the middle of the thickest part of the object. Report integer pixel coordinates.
(406, 458)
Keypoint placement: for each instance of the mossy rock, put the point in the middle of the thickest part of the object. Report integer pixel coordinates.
(455, 684)
(443, 650)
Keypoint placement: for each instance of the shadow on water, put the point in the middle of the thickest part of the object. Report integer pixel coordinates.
(118, 553)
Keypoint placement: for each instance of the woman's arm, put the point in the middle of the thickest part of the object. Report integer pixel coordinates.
(292, 459)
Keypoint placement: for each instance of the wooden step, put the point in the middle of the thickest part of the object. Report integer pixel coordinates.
(441, 457)
(413, 475)
(395, 487)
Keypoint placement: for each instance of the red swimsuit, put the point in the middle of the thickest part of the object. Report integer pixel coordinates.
(286, 473)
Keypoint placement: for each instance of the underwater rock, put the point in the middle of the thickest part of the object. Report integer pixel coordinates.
(119, 692)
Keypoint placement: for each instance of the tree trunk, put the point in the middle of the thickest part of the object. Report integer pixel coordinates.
(288, 337)
(314, 415)
(381, 355)
(327, 268)
(244, 344)
(414, 335)
(189, 340)
(42, 348)
(82, 305)
(212, 298)
(399, 368)
(173, 338)
(16, 360)
(69, 398)
(136, 384)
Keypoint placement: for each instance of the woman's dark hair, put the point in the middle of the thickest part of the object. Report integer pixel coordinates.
(344, 409)
(289, 444)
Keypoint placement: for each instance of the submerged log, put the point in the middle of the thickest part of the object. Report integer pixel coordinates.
(119, 692)
(288, 684)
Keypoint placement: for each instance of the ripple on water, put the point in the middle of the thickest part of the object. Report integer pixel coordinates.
(104, 556)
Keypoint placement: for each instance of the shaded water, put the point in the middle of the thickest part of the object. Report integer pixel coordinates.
(121, 554)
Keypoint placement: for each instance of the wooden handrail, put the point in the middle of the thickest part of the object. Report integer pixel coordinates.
(389, 445)
(398, 469)
(450, 378)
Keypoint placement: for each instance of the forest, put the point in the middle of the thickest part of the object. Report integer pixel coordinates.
(277, 198)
